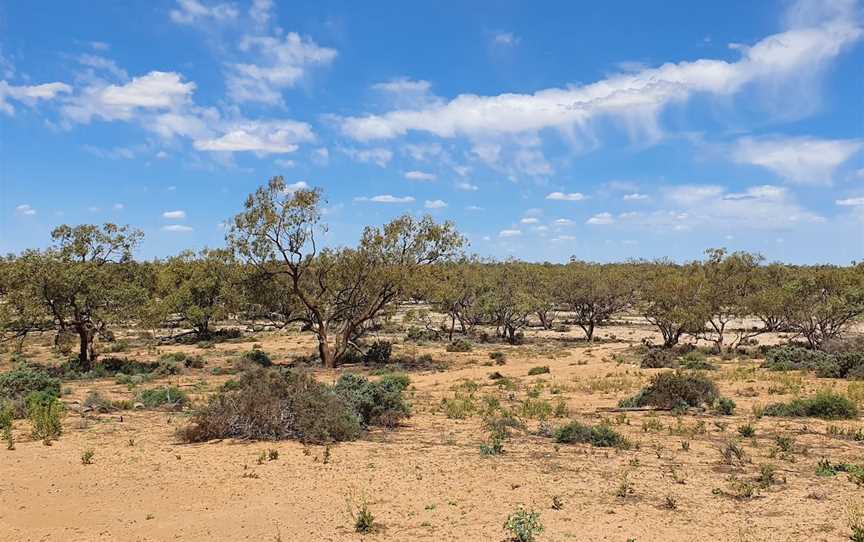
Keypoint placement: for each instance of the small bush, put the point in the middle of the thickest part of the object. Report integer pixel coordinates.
(417, 334)
(696, 360)
(96, 402)
(255, 357)
(826, 404)
(500, 358)
(460, 345)
(674, 389)
(524, 525)
(539, 370)
(17, 384)
(364, 521)
(379, 352)
(375, 402)
(87, 457)
(601, 436)
(44, 411)
(7, 414)
(271, 404)
(170, 397)
(659, 358)
(793, 358)
(724, 406)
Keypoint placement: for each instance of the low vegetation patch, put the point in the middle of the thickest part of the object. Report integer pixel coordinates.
(675, 389)
(17, 384)
(602, 436)
(539, 370)
(170, 397)
(375, 402)
(826, 404)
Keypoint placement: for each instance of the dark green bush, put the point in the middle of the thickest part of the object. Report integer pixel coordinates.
(659, 358)
(167, 396)
(498, 357)
(601, 436)
(256, 357)
(379, 352)
(25, 379)
(375, 402)
(44, 411)
(540, 370)
(793, 358)
(826, 404)
(417, 334)
(675, 389)
(460, 345)
(724, 406)
(271, 404)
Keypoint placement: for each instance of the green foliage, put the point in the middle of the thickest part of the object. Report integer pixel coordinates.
(524, 525)
(274, 404)
(378, 352)
(539, 370)
(375, 402)
(602, 436)
(825, 404)
(724, 406)
(364, 521)
(17, 384)
(500, 358)
(170, 397)
(44, 411)
(7, 414)
(673, 389)
(460, 345)
(255, 357)
(792, 358)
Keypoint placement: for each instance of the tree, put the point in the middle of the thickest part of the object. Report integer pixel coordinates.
(80, 286)
(824, 302)
(594, 293)
(670, 299)
(507, 302)
(341, 291)
(197, 289)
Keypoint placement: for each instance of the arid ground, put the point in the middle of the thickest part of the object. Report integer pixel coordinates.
(427, 480)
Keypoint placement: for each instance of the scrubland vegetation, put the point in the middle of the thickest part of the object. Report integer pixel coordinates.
(439, 395)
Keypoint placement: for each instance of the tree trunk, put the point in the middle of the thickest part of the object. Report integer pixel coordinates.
(85, 338)
(326, 354)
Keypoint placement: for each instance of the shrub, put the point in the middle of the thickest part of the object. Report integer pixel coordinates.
(44, 411)
(826, 404)
(272, 404)
(7, 414)
(417, 334)
(96, 402)
(724, 406)
(375, 402)
(674, 389)
(524, 525)
(498, 357)
(255, 357)
(843, 365)
(696, 360)
(539, 370)
(364, 521)
(659, 358)
(379, 352)
(601, 436)
(792, 358)
(17, 384)
(460, 345)
(166, 396)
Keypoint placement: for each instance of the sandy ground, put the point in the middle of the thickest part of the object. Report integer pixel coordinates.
(427, 480)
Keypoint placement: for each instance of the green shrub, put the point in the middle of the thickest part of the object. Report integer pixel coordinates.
(417, 334)
(602, 436)
(17, 384)
(500, 358)
(843, 365)
(724, 406)
(96, 402)
(539, 370)
(696, 360)
(44, 411)
(255, 357)
(375, 402)
(7, 414)
(524, 525)
(271, 404)
(675, 389)
(460, 345)
(826, 404)
(379, 352)
(793, 358)
(659, 358)
(170, 397)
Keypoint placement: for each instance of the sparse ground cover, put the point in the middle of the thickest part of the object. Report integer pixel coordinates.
(493, 447)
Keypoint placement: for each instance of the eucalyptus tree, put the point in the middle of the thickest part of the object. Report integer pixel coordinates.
(824, 301)
(594, 293)
(670, 298)
(339, 291)
(85, 282)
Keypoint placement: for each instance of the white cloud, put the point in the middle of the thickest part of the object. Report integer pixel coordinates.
(419, 176)
(259, 11)
(118, 206)
(265, 137)
(386, 198)
(378, 156)
(468, 187)
(299, 185)
(103, 64)
(154, 91)
(530, 220)
(601, 219)
(564, 222)
(792, 59)
(688, 195)
(279, 63)
(193, 11)
(403, 84)
(509, 233)
(473, 208)
(850, 202)
(174, 215)
(435, 204)
(505, 39)
(635, 196)
(115, 153)
(802, 160)
(28, 95)
(25, 210)
(423, 151)
(321, 156)
(561, 196)
(177, 228)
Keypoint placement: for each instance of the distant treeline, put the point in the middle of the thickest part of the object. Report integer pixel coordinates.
(274, 268)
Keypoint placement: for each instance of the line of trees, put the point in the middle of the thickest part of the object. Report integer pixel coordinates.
(275, 269)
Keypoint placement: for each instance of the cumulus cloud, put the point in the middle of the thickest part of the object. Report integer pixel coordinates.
(278, 63)
(179, 228)
(505, 39)
(25, 210)
(530, 220)
(154, 91)
(28, 94)
(435, 204)
(468, 187)
(376, 155)
(193, 11)
(601, 219)
(850, 202)
(419, 176)
(801, 160)
(635, 196)
(174, 215)
(561, 196)
(386, 198)
(264, 137)
(509, 233)
(299, 185)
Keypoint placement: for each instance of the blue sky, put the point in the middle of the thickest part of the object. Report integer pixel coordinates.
(605, 130)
